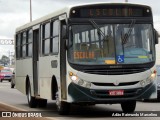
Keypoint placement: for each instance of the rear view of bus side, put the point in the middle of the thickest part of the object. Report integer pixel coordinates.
(88, 54)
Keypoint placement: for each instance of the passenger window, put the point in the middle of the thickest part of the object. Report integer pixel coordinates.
(47, 30)
(55, 45)
(55, 37)
(29, 43)
(55, 28)
(46, 38)
(24, 44)
(18, 45)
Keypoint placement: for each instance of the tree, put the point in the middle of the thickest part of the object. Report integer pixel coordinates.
(5, 60)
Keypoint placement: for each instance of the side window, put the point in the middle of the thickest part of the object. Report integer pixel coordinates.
(55, 28)
(76, 36)
(24, 38)
(29, 43)
(18, 45)
(145, 39)
(55, 37)
(46, 38)
(21, 44)
(92, 35)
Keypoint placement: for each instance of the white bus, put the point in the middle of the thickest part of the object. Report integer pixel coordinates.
(101, 53)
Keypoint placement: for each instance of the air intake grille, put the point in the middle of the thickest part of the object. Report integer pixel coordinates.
(116, 71)
(111, 84)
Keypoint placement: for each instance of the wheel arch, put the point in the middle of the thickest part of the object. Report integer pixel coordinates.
(54, 87)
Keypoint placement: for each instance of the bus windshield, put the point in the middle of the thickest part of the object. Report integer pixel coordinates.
(101, 44)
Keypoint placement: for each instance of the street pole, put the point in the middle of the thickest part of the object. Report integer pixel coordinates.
(9, 57)
(30, 10)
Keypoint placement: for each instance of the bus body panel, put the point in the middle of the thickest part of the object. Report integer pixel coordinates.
(46, 77)
(149, 91)
(85, 95)
(24, 69)
(70, 89)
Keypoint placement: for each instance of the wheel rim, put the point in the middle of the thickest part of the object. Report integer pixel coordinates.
(29, 94)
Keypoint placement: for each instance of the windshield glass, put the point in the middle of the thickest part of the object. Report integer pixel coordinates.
(111, 44)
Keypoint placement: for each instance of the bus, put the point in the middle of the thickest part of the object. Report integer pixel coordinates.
(87, 54)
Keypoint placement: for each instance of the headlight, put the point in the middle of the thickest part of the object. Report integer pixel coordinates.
(2, 75)
(88, 84)
(78, 81)
(153, 75)
(74, 78)
(142, 83)
(149, 79)
(81, 82)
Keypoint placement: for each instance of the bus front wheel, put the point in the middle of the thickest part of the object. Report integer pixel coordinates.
(32, 101)
(62, 107)
(128, 106)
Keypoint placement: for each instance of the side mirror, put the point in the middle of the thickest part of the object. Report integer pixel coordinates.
(156, 36)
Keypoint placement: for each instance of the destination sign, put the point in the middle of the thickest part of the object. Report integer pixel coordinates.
(123, 12)
(84, 55)
(111, 11)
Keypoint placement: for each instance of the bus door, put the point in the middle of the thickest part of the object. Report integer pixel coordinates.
(63, 57)
(35, 58)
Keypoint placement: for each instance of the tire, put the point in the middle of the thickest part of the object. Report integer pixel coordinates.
(32, 101)
(63, 108)
(42, 103)
(9, 80)
(158, 95)
(128, 106)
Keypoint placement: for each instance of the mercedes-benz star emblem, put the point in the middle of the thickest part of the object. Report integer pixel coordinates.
(116, 83)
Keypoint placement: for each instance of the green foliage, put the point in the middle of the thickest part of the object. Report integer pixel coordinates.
(4, 60)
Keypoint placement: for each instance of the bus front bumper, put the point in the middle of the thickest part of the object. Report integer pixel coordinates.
(84, 95)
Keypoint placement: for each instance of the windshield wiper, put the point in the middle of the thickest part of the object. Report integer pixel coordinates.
(97, 27)
(126, 36)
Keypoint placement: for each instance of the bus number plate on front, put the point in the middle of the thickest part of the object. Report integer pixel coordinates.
(116, 92)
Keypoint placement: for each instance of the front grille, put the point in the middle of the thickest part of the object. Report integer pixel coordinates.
(112, 84)
(105, 93)
(116, 71)
(7, 76)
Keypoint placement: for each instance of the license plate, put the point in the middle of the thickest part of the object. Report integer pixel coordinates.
(116, 92)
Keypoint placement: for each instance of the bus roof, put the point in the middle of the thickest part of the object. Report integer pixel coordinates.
(67, 10)
(42, 19)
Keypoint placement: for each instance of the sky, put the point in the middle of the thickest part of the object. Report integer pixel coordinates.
(14, 13)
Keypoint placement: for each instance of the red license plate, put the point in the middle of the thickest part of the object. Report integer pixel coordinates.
(116, 92)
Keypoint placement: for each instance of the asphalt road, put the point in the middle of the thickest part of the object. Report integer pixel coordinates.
(14, 98)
